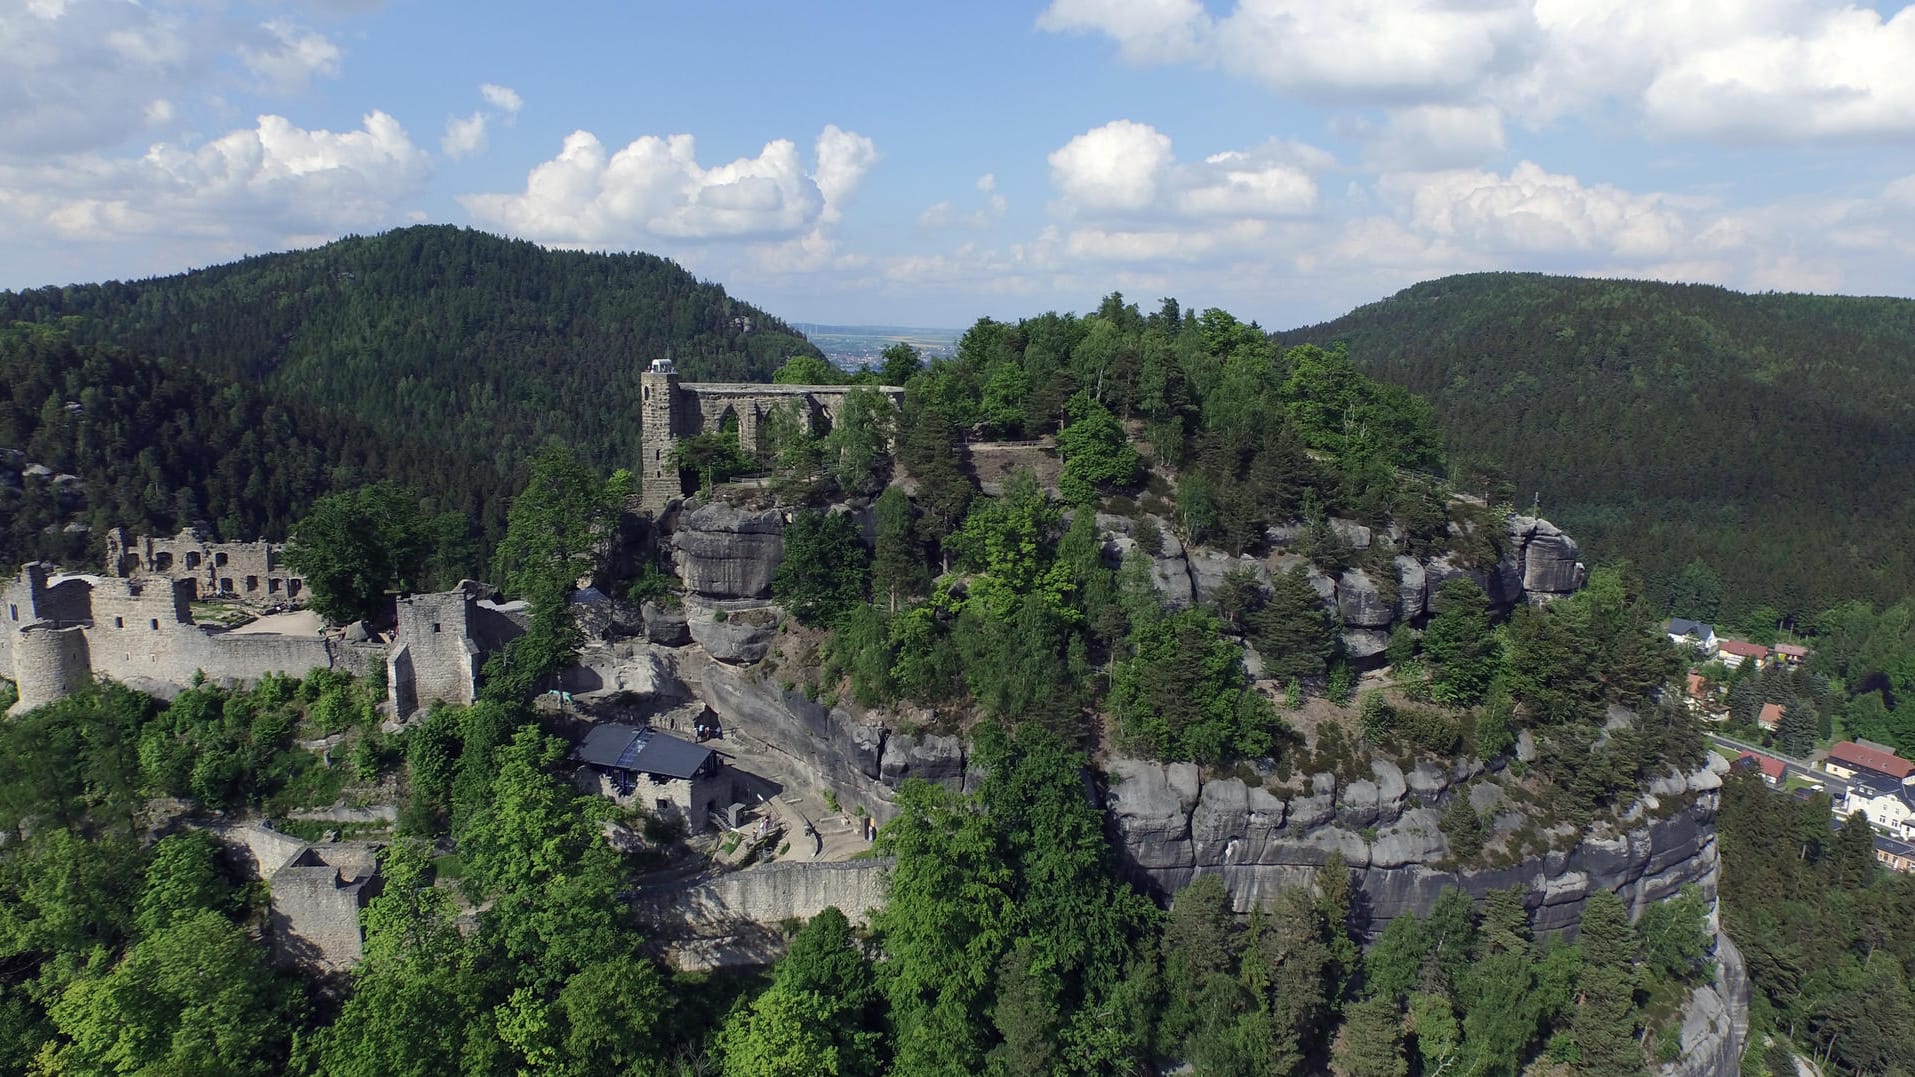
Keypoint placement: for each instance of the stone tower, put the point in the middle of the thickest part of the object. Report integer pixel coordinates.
(658, 475)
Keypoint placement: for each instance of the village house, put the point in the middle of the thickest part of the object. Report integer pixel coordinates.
(1769, 717)
(1894, 854)
(1886, 803)
(1694, 634)
(675, 779)
(1790, 654)
(1735, 652)
(1771, 768)
(1852, 759)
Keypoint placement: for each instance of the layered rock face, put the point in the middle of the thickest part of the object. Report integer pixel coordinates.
(1171, 827)
(727, 552)
(862, 762)
(1539, 565)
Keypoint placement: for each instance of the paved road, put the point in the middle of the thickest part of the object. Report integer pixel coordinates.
(1837, 787)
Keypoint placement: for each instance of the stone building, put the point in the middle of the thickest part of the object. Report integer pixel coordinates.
(316, 891)
(670, 410)
(252, 572)
(441, 642)
(675, 779)
(57, 633)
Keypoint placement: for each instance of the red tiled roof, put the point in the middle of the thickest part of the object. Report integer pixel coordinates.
(1848, 753)
(1770, 716)
(1745, 649)
(1792, 650)
(1771, 768)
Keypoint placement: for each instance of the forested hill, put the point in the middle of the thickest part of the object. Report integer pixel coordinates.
(1771, 436)
(455, 337)
(159, 445)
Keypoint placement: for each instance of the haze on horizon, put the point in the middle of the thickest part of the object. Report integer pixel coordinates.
(897, 166)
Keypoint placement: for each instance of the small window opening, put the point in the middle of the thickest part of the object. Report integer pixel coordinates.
(219, 559)
(252, 584)
(435, 626)
(192, 560)
(156, 624)
(119, 622)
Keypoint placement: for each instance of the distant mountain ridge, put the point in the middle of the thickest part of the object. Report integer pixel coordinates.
(449, 336)
(1772, 436)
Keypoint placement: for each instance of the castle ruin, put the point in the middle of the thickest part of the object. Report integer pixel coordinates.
(255, 573)
(58, 633)
(670, 410)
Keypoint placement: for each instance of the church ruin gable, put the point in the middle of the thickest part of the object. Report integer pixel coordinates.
(671, 410)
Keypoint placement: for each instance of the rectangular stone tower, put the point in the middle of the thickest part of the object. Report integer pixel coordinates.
(658, 413)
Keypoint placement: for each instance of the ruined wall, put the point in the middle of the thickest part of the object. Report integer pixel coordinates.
(670, 409)
(48, 663)
(252, 572)
(433, 656)
(314, 919)
(140, 631)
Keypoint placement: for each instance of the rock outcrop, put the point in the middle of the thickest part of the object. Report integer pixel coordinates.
(1172, 827)
(1539, 564)
(1715, 1019)
(722, 551)
(736, 637)
(862, 761)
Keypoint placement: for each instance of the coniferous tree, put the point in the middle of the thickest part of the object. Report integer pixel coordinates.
(1602, 1025)
(1294, 634)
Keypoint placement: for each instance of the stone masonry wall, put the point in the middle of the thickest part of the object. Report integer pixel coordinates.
(56, 634)
(433, 656)
(253, 572)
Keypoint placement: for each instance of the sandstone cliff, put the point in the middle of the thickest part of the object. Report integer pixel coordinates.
(1539, 564)
(1172, 826)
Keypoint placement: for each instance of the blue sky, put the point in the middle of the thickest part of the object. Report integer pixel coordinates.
(928, 164)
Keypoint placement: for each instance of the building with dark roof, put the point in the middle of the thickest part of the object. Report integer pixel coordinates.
(1691, 634)
(677, 780)
(1895, 854)
(1887, 804)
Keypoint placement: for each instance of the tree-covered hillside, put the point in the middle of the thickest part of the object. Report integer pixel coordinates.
(1770, 436)
(456, 337)
(160, 445)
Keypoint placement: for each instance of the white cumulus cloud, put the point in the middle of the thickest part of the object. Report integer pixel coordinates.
(1533, 211)
(464, 135)
(1738, 70)
(654, 188)
(503, 98)
(1424, 137)
(288, 57)
(87, 73)
(1130, 200)
(1114, 167)
(467, 135)
(946, 214)
(274, 182)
